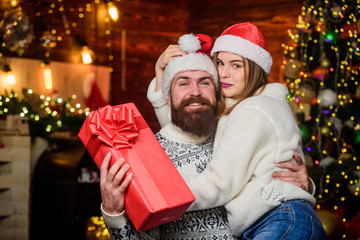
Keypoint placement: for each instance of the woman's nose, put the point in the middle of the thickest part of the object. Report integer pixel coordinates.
(223, 72)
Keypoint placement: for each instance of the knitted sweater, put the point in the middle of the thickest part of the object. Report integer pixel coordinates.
(190, 156)
(260, 132)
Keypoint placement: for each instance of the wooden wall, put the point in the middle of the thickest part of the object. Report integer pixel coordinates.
(144, 31)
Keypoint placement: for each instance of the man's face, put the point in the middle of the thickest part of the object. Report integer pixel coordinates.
(192, 84)
(193, 102)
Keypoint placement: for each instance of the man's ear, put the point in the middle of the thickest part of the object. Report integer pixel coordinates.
(169, 101)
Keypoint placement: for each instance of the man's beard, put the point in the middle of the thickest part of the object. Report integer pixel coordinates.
(200, 122)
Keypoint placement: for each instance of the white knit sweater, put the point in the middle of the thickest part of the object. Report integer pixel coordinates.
(260, 132)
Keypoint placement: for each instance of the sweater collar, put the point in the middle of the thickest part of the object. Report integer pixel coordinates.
(175, 133)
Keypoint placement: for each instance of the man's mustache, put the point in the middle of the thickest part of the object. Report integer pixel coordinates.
(191, 100)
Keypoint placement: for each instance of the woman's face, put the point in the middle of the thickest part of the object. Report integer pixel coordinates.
(232, 70)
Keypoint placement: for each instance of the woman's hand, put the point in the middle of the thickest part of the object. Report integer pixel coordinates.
(113, 184)
(170, 52)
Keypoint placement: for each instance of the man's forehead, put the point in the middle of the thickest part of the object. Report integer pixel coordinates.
(193, 75)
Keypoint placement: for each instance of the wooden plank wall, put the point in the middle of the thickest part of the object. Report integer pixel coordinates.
(145, 30)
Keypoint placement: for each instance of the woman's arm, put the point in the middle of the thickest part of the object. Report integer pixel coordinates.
(170, 52)
(158, 101)
(247, 136)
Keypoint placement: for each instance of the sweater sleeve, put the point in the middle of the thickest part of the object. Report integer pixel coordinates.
(159, 102)
(245, 137)
(120, 227)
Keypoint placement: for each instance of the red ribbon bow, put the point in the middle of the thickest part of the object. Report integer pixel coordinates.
(114, 126)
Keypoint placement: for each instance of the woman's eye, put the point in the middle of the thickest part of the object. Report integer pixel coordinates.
(219, 63)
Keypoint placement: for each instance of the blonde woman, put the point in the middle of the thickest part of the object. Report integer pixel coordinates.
(256, 132)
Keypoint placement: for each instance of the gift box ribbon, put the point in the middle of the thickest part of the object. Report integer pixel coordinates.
(115, 127)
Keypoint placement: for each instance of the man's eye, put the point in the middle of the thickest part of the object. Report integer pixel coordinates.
(183, 84)
(205, 83)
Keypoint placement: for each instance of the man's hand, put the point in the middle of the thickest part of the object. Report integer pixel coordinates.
(298, 176)
(113, 185)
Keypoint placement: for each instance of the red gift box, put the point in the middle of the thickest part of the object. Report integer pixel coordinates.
(157, 193)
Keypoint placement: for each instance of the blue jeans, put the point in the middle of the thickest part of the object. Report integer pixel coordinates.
(291, 220)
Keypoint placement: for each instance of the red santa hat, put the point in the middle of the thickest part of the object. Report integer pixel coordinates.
(198, 58)
(246, 40)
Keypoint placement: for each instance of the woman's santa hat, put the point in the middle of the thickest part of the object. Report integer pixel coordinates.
(246, 40)
(198, 58)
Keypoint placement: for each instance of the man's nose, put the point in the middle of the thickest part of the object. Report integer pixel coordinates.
(195, 90)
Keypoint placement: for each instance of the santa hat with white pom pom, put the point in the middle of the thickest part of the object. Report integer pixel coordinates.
(246, 40)
(198, 47)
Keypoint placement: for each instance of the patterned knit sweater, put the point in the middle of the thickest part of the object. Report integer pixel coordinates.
(190, 156)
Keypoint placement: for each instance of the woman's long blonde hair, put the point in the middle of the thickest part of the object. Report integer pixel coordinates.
(255, 79)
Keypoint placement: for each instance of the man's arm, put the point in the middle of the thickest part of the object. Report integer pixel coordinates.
(298, 174)
(114, 181)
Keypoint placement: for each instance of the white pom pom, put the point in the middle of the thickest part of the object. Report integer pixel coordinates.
(327, 97)
(189, 43)
(327, 161)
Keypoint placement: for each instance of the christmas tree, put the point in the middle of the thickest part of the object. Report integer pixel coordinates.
(321, 69)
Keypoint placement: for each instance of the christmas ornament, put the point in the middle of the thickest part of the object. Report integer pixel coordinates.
(353, 227)
(357, 94)
(355, 186)
(327, 161)
(304, 132)
(325, 63)
(330, 36)
(357, 137)
(16, 31)
(336, 11)
(320, 73)
(292, 69)
(308, 161)
(327, 98)
(345, 157)
(325, 131)
(306, 93)
(329, 222)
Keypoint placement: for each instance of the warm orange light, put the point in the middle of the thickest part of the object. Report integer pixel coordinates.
(48, 77)
(113, 11)
(14, 3)
(86, 54)
(11, 78)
